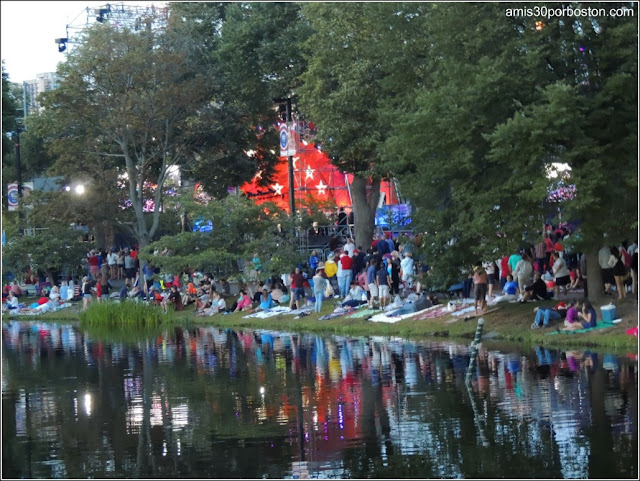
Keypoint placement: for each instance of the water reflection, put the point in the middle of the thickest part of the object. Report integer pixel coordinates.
(204, 402)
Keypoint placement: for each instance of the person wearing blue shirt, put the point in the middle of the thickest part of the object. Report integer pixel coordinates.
(265, 301)
(510, 287)
(588, 315)
(313, 261)
(371, 280)
(124, 292)
(509, 292)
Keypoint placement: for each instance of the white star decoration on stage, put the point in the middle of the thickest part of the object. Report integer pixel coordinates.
(309, 173)
(321, 187)
(278, 188)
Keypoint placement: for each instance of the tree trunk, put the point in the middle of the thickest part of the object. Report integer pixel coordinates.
(364, 209)
(595, 286)
(99, 233)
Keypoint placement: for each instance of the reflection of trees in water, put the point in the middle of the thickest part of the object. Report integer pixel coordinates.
(360, 406)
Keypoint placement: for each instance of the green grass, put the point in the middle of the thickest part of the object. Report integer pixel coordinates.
(125, 314)
(511, 324)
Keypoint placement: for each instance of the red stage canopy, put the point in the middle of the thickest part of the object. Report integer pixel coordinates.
(314, 176)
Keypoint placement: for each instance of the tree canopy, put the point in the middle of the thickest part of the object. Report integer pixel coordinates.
(504, 100)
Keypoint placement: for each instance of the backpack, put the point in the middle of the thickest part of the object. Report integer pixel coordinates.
(626, 257)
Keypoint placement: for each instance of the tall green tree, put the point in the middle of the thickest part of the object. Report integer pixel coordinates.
(252, 54)
(130, 102)
(357, 56)
(503, 100)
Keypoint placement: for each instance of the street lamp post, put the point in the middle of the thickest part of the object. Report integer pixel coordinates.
(16, 143)
(292, 191)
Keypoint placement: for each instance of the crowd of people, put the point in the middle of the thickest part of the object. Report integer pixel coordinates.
(350, 274)
(548, 270)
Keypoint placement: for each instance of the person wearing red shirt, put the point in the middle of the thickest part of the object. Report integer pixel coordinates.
(297, 288)
(505, 271)
(346, 264)
(94, 263)
(548, 249)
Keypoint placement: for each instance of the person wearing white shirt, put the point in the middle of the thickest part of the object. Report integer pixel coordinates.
(349, 247)
(406, 264)
(491, 277)
(560, 274)
(12, 302)
(604, 256)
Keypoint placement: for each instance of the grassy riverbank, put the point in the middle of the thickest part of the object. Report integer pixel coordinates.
(511, 322)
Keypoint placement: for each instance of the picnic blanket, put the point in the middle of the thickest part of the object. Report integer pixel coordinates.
(274, 311)
(338, 312)
(360, 313)
(599, 325)
(384, 317)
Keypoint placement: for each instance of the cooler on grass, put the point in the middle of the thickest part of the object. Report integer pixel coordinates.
(608, 313)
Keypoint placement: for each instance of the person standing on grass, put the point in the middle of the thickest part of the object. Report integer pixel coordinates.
(372, 269)
(297, 289)
(561, 274)
(619, 272)
(319, 285)
(480, 280)
(490, 269)
(346, 262)
(86, 292)
(383, 281)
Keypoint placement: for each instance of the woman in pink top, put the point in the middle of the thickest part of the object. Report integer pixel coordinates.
(244, 303)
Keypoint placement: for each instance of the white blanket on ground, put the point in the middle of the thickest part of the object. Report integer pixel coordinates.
(274, 311)
(385, 317)
(464, 311)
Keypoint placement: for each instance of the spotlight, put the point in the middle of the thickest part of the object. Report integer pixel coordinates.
(62, 44)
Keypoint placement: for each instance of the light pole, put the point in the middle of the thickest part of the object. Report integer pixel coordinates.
(292, 192)
(16, 142)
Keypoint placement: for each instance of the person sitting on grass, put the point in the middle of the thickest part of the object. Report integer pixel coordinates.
(265, 301)
(154, 297)
(124, 291)
(587, 318)
(354, 296)
(509, 292)
(203, 300)
(136, 293)
(174, 298)
(12, 303)
(572, 314)
(536, 291)
(218, 306)
(244, 302)
(546, 314)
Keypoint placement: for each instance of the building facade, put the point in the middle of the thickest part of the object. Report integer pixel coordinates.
(42, 83)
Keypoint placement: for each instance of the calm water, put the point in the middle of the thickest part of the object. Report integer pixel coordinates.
(203, 402)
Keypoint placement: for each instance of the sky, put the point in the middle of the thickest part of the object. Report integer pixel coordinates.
(28, 31)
